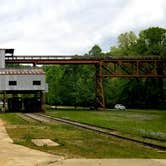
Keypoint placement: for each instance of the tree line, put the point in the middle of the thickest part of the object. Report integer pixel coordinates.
(75, 84)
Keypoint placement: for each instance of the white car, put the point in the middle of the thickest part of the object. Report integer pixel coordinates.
(119, 107)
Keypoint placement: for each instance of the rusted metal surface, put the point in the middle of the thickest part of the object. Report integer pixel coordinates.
(115, 67)
(128, 67)
(100, 99)
(46, 60)
(134, 68)
(112, 67)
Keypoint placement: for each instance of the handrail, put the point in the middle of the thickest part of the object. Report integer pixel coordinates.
(37, 57)
(67, 57)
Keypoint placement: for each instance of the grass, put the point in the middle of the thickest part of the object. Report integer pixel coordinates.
(74, 142)
(142, 123)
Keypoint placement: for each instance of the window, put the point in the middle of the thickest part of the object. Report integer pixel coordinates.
(36, 82)
(12, 83)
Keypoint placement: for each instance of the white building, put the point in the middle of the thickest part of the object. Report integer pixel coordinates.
(21, 81)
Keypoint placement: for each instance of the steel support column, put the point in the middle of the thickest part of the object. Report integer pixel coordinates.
(100, 100)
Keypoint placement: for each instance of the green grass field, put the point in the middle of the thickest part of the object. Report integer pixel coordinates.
(75, 142)
(144, 123)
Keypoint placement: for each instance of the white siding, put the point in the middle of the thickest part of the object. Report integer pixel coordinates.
(24, 82)
(2, 58)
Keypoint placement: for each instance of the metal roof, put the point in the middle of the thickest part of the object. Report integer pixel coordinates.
(21, 72)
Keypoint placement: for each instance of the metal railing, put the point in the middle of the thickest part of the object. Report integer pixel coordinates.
(78, 57)
(18, 57)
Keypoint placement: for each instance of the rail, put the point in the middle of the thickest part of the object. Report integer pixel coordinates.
(79, 57)
(102, 130)
(37, 57)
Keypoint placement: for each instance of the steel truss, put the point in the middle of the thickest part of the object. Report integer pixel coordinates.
(127, 67)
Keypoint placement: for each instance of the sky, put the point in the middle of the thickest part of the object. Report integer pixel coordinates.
(69, 27)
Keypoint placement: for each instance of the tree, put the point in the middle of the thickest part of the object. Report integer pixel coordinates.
(53, 77)
(152, 41)
(70, 84)
(95, 51)
(74, 84)
(126, 44)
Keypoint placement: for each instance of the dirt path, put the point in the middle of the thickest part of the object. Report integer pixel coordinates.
(17, 155)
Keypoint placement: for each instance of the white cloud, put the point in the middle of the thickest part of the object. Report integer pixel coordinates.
(139, 13)
(72, 27)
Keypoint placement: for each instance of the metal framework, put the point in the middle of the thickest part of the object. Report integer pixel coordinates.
(135, 68)
(127, 67)
(47, 60)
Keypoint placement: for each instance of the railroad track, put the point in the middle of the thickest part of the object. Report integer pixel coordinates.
(106, 131)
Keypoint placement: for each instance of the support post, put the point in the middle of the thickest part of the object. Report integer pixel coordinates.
(4, 102)
(42, 98)
(34, 64)
(100, 100)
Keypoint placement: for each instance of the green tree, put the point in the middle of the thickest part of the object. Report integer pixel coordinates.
(126, 44)
(74, 84)
(70, 84)
(152, 41)
(95, 51)
(54, 75)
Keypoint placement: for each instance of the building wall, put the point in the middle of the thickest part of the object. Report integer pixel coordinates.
(24, 82)
(2, 58)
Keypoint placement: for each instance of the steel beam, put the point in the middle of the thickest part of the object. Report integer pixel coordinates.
(127, 67)
(135, 68)
(51, 62)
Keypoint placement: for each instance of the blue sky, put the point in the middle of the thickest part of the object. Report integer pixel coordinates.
(55, 27)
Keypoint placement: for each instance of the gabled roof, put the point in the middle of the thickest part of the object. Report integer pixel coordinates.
(21, 72)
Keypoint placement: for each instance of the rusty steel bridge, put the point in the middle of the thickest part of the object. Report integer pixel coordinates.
(127, 67)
